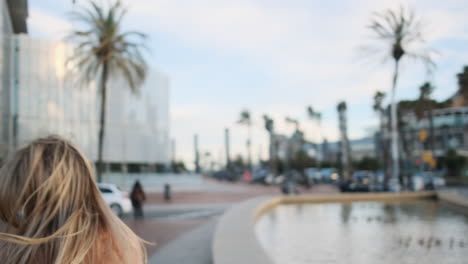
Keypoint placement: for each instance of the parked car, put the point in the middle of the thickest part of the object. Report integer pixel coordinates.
(227, 175)
(117, 199)
(439, 182)
(426, 180)
(329, 175)
(377, 183)
(260, 176)
(360, 181)
(393, 185)
(313, 174)
(272, 179)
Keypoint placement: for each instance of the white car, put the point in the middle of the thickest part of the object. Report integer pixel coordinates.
(117, 199)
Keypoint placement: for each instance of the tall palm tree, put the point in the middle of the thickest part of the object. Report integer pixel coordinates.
(463, 85)
(246, 120)
(314, 115)
(345, 149)
(270, 128)
(317, 117)
(380, 111)
(104, 51)
(398, 29)
(227, 148)
(378, 101)
(290, 149)
(424, 109)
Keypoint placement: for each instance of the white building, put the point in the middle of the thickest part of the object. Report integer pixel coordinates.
(13, 15)
(48, 98)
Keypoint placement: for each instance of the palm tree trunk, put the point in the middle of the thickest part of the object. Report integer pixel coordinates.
(102, 120)
(395, 154)
(344, 145)
(270, 150)
(431, 131)
(249, 148)
(227, 148)
(383, 144)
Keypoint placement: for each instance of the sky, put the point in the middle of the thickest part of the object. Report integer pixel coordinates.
(274, 57)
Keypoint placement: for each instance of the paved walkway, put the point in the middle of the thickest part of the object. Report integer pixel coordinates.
(193, 247)
(227, 193)
(191, 212)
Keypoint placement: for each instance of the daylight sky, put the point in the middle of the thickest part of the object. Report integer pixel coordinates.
(273, 57)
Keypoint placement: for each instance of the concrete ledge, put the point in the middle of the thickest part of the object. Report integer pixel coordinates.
(193, 247)
(341, 198)
(453, 200)
(235, 240)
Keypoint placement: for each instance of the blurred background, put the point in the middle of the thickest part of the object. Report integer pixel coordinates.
(209, 103)
(218, 71)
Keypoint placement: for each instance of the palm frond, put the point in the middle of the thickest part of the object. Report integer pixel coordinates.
(245, 118)
(378, 101)
(426, 58)
(397, 31)
(101, 41)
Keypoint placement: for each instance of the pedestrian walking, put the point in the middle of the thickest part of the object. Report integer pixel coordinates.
(138, 197)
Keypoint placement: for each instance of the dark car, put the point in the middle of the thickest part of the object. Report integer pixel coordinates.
(226, 175)
(260, 176)
(360, 181)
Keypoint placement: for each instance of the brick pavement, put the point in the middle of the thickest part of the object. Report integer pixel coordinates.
(236, 195)
(163, 232)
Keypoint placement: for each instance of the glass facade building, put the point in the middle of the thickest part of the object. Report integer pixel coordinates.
(47, 97)
(450, 130)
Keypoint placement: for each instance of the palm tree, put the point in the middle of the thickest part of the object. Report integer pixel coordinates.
(104, 51)
(398, 29)
(317, 117)
(380, 110)
(270, 128)
(314, 115)
(290, 150)
(424, 108)
(378, 101)
(463, 85)
(345, 149)
(227, 148)
(246, 120)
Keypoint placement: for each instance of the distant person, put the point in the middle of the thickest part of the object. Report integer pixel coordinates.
(51, 211)
(138, 197)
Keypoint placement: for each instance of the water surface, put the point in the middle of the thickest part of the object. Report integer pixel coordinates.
(365, 232)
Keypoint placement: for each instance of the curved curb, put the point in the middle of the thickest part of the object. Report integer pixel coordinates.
(193, 247)
(455, 200)
(235, 240)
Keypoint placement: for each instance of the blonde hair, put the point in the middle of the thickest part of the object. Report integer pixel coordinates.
(54, 213)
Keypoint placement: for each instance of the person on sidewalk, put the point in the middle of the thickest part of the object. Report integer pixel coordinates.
(138, 197)
(51, 211)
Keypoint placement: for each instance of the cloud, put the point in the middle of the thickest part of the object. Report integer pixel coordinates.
(298, 45)
(305, 51)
